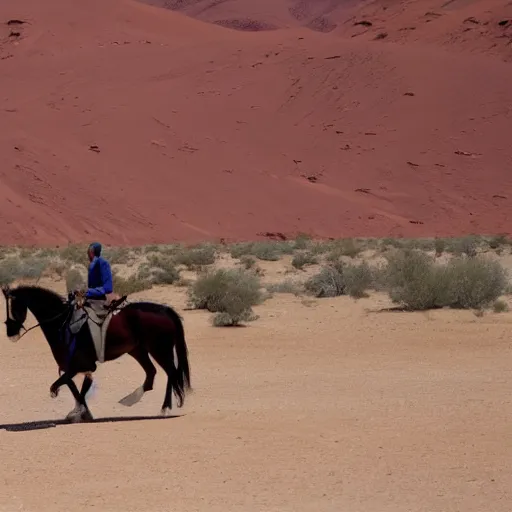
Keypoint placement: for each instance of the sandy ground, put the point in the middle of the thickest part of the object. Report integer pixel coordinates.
(318, 406)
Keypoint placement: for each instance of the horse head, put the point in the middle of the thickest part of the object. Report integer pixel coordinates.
(16, 313)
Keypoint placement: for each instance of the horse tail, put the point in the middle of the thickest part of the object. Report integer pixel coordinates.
(182, 376)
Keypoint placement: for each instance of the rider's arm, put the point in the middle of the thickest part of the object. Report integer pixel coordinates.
(106, 279)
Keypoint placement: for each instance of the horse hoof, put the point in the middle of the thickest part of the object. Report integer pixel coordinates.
(132, 398)
(165, 412)
(54, 393)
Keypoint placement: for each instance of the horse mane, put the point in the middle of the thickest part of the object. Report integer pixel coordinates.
(39, 294)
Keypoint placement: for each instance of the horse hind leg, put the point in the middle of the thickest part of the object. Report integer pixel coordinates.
(142, 357)
(166, 361)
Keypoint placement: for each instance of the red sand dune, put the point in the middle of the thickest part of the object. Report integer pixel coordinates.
(135, 124)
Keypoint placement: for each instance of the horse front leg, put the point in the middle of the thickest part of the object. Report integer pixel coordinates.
(81, 411)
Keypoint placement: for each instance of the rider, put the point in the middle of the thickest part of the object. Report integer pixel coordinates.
(99, 282)
(99, 291)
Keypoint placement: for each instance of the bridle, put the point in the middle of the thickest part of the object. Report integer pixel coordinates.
(8, 297)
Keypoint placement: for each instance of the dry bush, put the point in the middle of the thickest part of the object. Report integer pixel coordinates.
(467, 245)
(196, 257)
(13, 268)
(75, 280)
(231, 293)
(341, 279)
(302, 242)
(271, 251)
(132, 284)
(346, 247)
(500, 306)
(117, 255)
(247, 261)
(74, 253)
(303, 258)
(416, 282)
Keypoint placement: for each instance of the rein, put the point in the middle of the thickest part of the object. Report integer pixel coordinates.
(40, 323)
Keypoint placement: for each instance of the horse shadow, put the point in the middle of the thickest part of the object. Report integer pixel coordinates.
(27, 426)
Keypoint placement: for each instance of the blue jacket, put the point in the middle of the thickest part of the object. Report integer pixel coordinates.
(100, 279)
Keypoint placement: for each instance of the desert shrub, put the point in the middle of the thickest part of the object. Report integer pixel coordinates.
(196, 257)
(358, 279)
(13, 268)
(416, 282)
(75, 280)
(74, 253)
(132, 284)
(232, 292)
(439, 246)
(498, 241)
(467, 245)
(165, 273)
(346, 247)
(413, 280)
(241, 249)
(302, 242)
(117, 255)
(247, 261)
(474, 282)
(329, 282)
(340, 279)
(303, 258)
(271, 251)
(500, 306)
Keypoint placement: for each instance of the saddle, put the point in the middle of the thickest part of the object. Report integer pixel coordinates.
(97, 314)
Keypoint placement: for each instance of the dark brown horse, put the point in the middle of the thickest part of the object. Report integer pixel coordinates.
(139, 329)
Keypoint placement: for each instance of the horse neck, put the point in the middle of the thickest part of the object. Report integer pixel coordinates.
(49, 321)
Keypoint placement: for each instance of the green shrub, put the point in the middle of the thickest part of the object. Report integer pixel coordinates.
(347, 247)
(196, 257)
(500, 306)
(358, 279)
(416, 282)
(329, 282)
(74, 253)
(75, 280)
(439, 246)
(467, 245)
(302, 242)
(230, 291)
(271, 251)
(247, 261)
(132, 284)
(474, 282)
(117, 255)
(496, 242)
(13, 268)
(301, 259)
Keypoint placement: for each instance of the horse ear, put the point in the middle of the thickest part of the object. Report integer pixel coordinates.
(6, 291)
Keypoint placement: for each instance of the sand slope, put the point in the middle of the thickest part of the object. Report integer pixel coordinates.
(136, 124)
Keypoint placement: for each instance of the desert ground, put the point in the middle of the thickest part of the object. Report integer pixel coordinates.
(320, 404)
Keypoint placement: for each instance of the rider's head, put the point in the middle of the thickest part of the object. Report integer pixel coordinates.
(94, 250)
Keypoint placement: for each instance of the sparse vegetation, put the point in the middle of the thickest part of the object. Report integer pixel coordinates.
(286, 286)
(500, 306)
(417, 274)
(231, 293)
(416, 282)
(196, 257)
(303, 258)
(75, 280)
